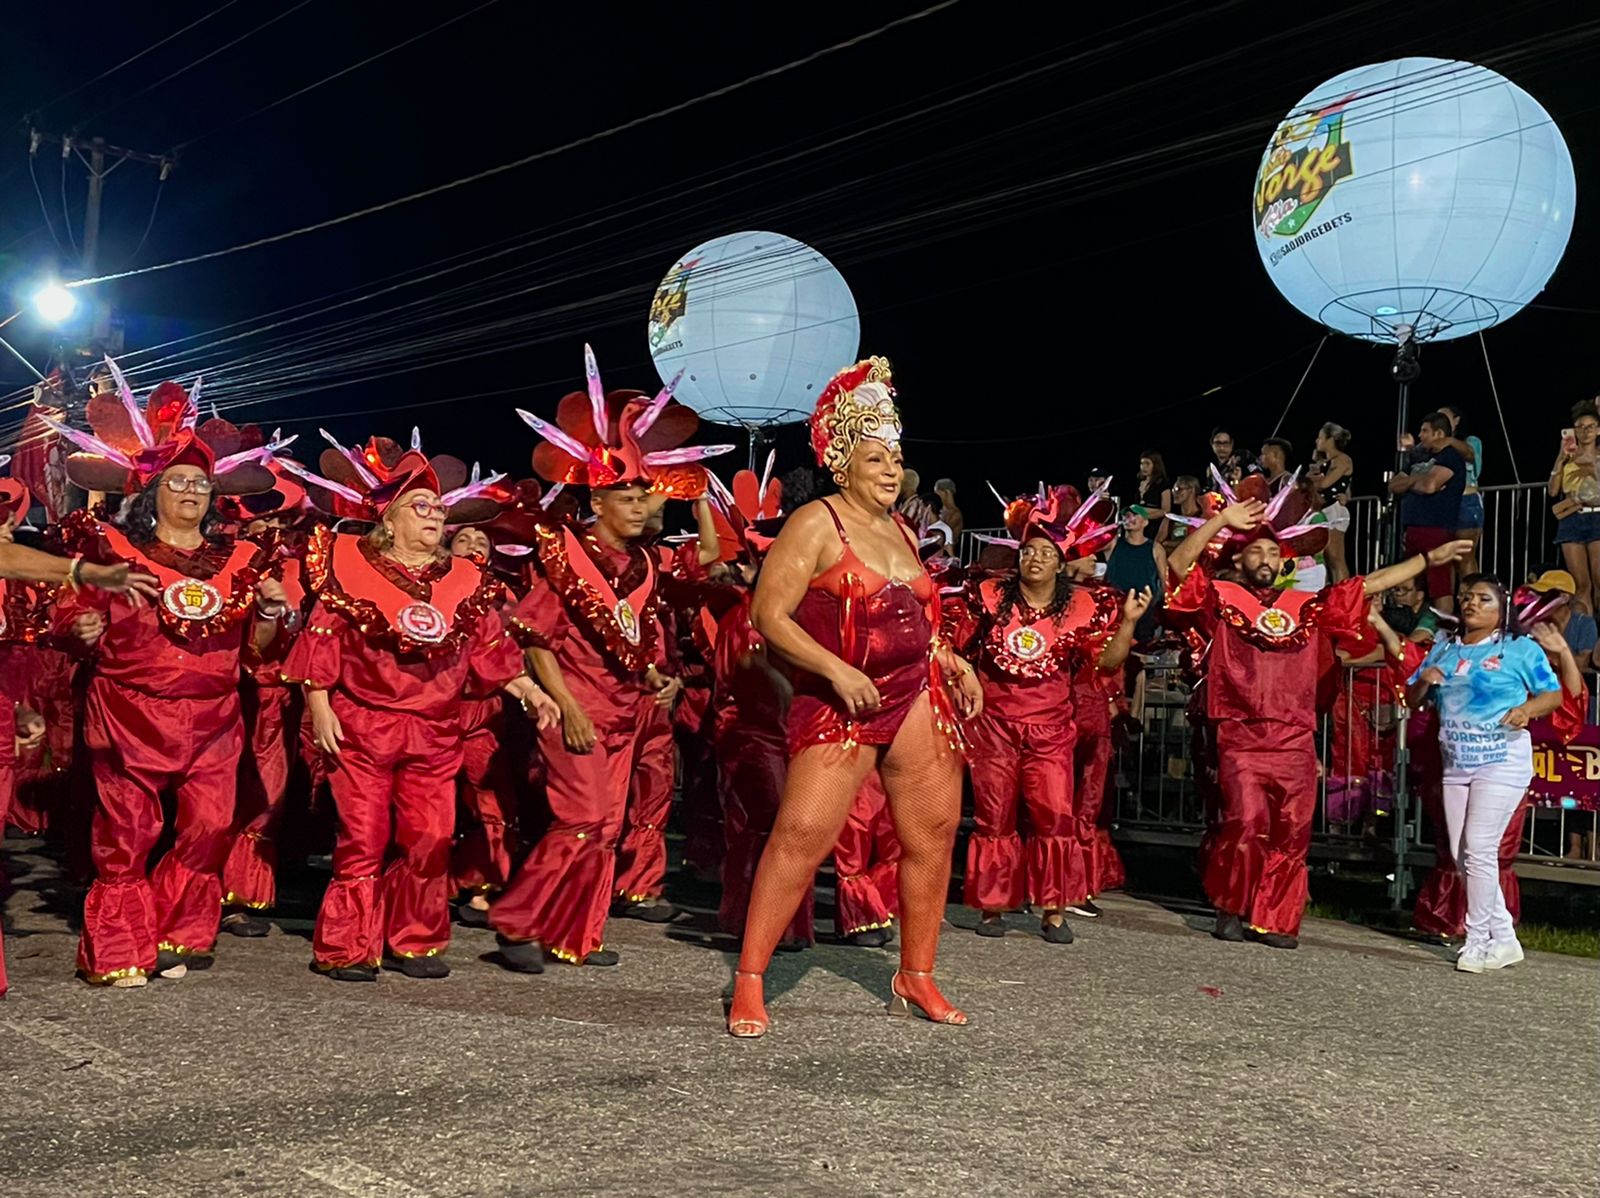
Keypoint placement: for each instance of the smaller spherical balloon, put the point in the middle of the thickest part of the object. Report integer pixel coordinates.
(758, 323)
(1422, 194)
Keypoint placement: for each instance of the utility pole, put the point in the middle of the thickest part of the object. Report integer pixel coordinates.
(99, 155)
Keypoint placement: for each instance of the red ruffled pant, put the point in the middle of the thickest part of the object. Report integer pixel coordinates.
(393, 785)
(487, 791)
(1102, 864)
(642, 857)
(866, 863)
(272, 717)
(1023, 765)
(562, 893)
(140, 747)
(750, 784)
(1255, 866)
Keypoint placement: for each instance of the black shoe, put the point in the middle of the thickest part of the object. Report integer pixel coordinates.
(992, 928)
(603, 956)
(1229, 928)
(469, 916)
(171, 965)
(648, 910)
(521, 957)
(871, 938)
(426, 968)
(1056, 933)
(792, 946)
(352, 973)
(1085, 909)
(238, 923)
(1274, 939)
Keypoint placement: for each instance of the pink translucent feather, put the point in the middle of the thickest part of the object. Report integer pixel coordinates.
(473, 488)
(1088, 504)
(1222, 485)
(682, 457)
(416, 439)
(514, 550)
(652, 413)
(766, 475)
(564, 442)
(1282, 497)
(141, 426)
(352, 457)
(597, 395)
(191, 414)
(327, 484)
(90, 443)
(549, 496)
(989, 540)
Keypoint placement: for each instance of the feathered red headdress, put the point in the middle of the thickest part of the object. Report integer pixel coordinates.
(361, 484)
(737, 513)
(621, 438)
(1283, 520)
(1077, 528)
(131, 446)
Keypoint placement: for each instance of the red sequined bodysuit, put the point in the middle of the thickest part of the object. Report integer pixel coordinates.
(881, 626)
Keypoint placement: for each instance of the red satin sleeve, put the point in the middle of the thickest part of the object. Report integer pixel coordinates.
(1344, 609)
(539, 620)
(493, 657)
(315, 656)
(1191, 603)
(1568, 719)
(960, 618)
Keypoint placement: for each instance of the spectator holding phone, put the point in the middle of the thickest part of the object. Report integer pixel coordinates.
(1430, 503)
(1576, 490)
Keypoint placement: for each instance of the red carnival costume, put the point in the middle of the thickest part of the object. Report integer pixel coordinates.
(398, 650)
(1269, 652)
(593, 608)
(1023, 745)
(162, 712)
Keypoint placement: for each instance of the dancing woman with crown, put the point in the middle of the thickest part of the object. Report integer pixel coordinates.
(845, 602)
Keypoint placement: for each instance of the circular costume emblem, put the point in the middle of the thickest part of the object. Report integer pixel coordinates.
(627, 621)
(1275, 622)
(1026, 644)
(191, 599)
(422, 622)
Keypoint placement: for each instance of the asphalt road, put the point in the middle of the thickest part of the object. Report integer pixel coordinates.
(1145, 1059)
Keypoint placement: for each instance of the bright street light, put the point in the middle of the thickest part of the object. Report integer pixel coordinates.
(55, 303)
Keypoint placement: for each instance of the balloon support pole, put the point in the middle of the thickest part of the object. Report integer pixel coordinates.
(1405, 369)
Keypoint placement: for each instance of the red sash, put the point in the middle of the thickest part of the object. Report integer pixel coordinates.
(347, 583)
(192, 608)
(1289, 621)
(626, 624)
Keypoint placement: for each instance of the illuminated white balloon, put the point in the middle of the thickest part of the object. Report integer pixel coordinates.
(758, 323)
(1422, 192)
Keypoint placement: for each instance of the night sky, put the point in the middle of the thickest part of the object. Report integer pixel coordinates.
(1045, 224)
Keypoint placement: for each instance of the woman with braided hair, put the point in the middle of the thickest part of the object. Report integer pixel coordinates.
(1029, 633)
(843, 592)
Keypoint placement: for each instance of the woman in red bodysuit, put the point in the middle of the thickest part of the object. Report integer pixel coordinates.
(843, 592)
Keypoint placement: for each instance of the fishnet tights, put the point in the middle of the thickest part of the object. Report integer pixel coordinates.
(921, 776)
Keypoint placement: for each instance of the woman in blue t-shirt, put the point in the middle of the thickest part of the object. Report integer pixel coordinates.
(1490, 683)
(1470, 526)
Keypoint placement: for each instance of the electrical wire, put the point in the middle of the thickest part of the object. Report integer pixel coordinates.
(44, 209)
(150, 87)
(310, 87)
(155, 205)
(136, 57)
(66, 211)
(587, 139)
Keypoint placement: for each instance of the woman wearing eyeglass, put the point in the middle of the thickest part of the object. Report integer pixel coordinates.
(162, 711)
(401, 635)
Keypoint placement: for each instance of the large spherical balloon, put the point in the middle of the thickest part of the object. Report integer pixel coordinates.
(1421, 192)
(758, 323)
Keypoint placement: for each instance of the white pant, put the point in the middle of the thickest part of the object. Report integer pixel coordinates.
(1477, 808)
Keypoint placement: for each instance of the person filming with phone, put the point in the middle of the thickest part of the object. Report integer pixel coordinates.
(1576, 490)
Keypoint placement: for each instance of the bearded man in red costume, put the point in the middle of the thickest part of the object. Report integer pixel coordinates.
(162, 712)
(590, 626)
(1268, 653)
(401, 635)
(1029, 634)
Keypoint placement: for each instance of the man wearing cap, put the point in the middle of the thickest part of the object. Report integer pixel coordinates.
(1268, 651)
(1578, 628)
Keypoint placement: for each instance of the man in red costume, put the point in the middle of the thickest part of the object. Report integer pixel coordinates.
(1029, 635)
(590, 626)
(163, 711)
(1268, 652)
(401, 635)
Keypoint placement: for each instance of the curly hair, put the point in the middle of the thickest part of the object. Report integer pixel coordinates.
(1011, 597)
(137, 518)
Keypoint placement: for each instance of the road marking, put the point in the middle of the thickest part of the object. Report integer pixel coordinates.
(80, 1052)
(350, 1178)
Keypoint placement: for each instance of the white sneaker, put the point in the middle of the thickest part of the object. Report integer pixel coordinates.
(1472, 958)
(1502, 953)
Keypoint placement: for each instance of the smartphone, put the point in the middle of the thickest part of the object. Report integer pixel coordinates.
(1569, 441)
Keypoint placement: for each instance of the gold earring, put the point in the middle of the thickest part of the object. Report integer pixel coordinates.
(840, 478)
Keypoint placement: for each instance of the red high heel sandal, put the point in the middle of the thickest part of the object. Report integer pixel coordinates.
(903, 1007)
